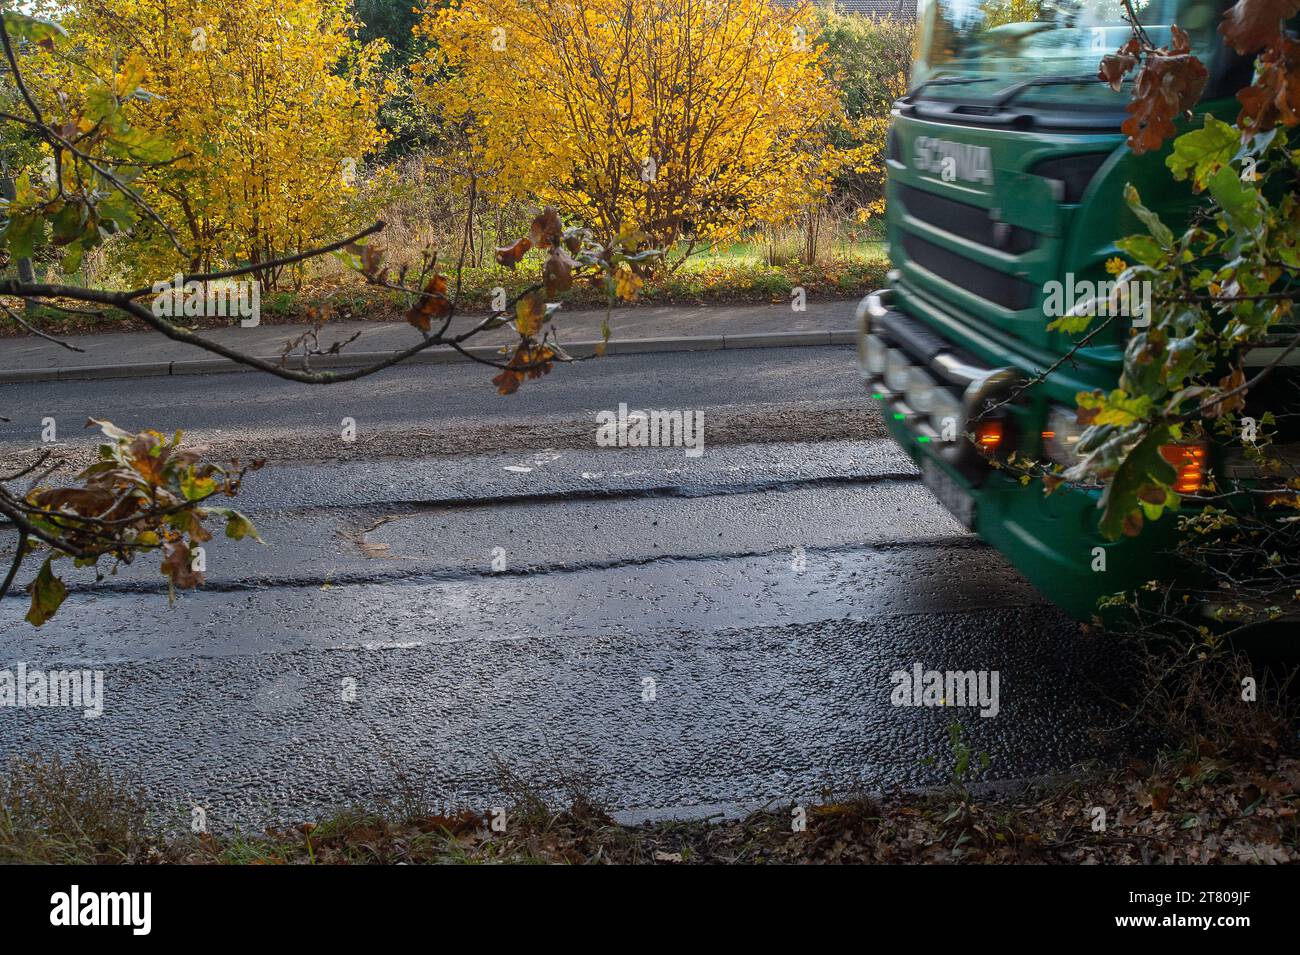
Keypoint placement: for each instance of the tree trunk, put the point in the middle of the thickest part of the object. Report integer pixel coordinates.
(26, 273)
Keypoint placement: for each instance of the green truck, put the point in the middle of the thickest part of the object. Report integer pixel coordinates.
(1006, 179)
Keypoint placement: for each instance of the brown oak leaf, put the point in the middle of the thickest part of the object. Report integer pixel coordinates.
(1170, 83)
(432, 304)
(1275, 96)
(1252, 24)
(1216, 407)
(372, 257)
(509, 255)
(528, 361)
(557, 273)
(547, 230)
(178, 566)
(530, 313)
(1115, 66)
(1151, 494)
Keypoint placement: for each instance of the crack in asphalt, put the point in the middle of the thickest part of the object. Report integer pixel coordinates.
(805, 422)
(420, 578)
(405, 508)
(360, 520)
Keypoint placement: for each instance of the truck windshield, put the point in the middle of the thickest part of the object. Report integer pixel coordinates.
(969, 50)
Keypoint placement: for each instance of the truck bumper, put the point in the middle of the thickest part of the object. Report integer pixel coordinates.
(1053, 540)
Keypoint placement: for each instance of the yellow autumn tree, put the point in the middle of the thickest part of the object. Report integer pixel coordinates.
(272, 108)
(1001, 12)
(869, 59)
(675, 119)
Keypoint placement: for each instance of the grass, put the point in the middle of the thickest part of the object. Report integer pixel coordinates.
(1195, 808)
(73, 812)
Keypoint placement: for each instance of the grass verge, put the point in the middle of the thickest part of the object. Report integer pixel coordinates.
(344, 298)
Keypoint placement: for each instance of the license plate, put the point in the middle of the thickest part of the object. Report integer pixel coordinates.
(951, 495)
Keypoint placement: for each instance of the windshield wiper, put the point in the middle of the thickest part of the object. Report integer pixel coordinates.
(946, 81)
(1003, 97)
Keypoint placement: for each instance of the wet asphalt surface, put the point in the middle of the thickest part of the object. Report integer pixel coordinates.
(471, 590)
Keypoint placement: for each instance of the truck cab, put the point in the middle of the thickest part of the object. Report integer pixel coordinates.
(1006, 178)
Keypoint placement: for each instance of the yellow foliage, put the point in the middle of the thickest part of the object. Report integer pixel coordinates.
(271, 103)
(1001, 12)
(669, 118)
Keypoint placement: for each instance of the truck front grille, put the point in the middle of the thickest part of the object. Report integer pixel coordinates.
(990, 284)
(966, 221)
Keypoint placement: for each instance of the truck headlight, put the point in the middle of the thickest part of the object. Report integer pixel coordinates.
(874, 354)
(919, 388)
(946, 415)
(871, 308)
(1061, 435)
(898, 368)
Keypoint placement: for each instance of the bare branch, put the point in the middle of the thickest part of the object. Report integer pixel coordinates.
(37, 332)
(44, 456)
(271, 263)
(15, 564)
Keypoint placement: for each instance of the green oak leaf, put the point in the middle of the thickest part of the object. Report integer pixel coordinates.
(1203, 152)
(1128, 498)
(1159, 231)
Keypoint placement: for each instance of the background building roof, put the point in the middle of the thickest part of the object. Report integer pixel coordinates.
(879, 8)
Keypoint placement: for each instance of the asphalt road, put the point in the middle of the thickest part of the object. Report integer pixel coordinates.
(414, 410)
(472, 591)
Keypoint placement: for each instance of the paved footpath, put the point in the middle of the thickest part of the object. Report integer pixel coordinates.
(639, 329)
